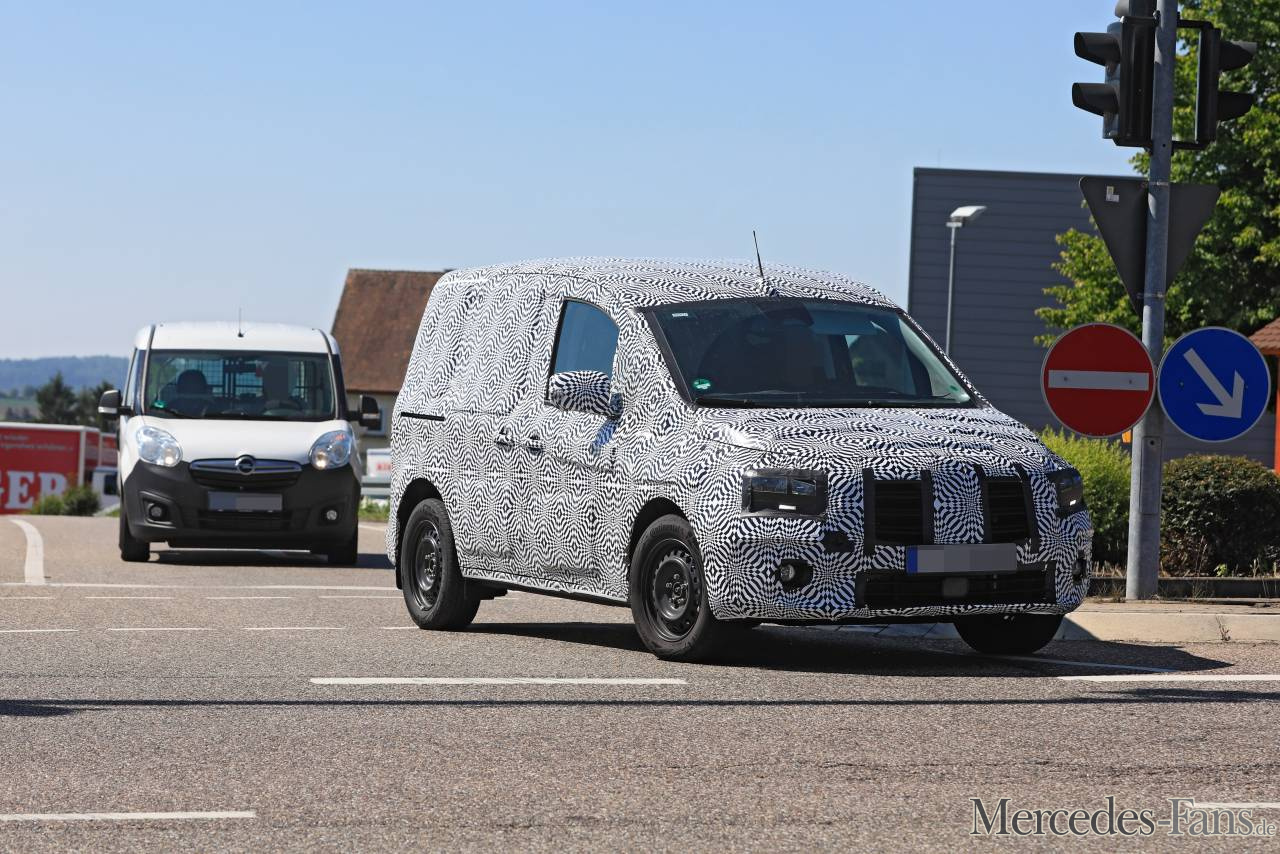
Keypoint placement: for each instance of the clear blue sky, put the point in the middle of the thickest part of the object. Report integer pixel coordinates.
(179, 160)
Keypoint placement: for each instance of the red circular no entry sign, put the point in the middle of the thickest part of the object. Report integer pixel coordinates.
(1098, 379)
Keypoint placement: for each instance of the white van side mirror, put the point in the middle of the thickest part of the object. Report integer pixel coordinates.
(369, 415)
(583, 391)
(109, 404)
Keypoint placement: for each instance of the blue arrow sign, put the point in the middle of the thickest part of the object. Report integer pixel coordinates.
(1214, 384)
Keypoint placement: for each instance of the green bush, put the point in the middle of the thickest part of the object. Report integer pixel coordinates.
(80, 501)
(76, 501)
(1104, 465)
(374, 511)
(47, 505)
(1219, 517)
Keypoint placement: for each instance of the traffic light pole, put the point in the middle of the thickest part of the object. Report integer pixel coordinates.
(1148, 439)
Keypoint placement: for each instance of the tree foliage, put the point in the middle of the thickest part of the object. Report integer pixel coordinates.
(57, 402)
(1232, 278)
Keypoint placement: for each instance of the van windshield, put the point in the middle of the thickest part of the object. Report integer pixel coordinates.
(239, 385)
(784, 352)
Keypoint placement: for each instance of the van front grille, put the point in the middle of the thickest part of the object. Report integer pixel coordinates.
(1007, 506)
(899, 513)
(1027, 587)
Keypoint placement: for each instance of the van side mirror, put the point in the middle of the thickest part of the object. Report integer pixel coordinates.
(109, 404)
(369, 415)
(583, 391)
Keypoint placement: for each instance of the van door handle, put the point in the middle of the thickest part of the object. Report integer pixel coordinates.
(503, 439)
(533, 443)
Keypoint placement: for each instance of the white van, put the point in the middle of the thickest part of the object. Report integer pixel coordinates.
(717, 449)
(237, 436)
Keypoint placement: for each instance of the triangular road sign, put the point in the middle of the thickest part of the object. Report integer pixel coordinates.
(1119, 207)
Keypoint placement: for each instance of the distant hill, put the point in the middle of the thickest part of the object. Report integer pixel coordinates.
(78, 371)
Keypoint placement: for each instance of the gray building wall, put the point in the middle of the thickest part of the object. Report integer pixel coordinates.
(1003, 264)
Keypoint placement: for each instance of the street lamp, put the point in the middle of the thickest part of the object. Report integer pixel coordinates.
(959, 218)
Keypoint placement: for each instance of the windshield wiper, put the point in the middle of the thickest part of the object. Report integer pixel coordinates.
(164, 410)
(713, 400)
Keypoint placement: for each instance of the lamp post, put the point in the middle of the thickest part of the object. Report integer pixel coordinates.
(959, 218)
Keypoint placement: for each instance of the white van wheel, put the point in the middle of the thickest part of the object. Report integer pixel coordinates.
(132, 549)
(434, 591)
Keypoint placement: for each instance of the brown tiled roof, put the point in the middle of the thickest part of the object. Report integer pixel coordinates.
(1267, 339)
(376, 322)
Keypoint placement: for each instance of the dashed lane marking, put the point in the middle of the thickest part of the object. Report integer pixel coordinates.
(362, 596)
(34, 631)
(1177, 677)
(161, 629)
(127, 816)
(33, 565)
(231, 598)
(121, 586)
(149, 598)
(295, 628)
(489, 680)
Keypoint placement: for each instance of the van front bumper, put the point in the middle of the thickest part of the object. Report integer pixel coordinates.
(844, 583)
(187, 520)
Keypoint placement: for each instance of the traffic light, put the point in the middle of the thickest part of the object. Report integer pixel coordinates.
(1212, 104)
(1127, 51)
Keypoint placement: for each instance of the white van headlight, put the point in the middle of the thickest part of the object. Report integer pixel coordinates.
(158, 447)
(332, 450)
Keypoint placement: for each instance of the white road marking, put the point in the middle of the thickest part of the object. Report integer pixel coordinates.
(294, 628)
(33, 566)
(26, 598)
(1260, 805)
(126, 816)
(161, 629)
(488, 680)
(34, 631)
(129, 597)
(1178, 677)
(1100, 380)
(1034, 659)
(361, 596)
(229, 598)
(98, 584)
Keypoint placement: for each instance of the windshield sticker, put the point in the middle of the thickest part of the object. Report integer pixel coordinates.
(701, 384)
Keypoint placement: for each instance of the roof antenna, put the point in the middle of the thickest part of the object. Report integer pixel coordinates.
(239, 322)
(764, 283)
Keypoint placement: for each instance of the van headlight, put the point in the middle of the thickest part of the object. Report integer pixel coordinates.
(332, 450)
(158, 447)
(785, 492)
(1070, 488)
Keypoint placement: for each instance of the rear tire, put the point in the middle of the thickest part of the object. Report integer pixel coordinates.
(434, 590)
(132, 549)
(668, 594)
(1008, 634)
(347, 554)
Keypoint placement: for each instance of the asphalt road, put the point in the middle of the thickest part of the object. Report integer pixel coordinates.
(186, 685)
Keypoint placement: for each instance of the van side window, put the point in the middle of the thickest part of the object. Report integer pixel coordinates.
(586, 340)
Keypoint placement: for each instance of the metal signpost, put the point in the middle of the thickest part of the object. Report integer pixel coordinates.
(1136, 104)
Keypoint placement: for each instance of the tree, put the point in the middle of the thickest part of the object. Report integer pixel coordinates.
(1232, 278)
(87, 407)
(56, 402)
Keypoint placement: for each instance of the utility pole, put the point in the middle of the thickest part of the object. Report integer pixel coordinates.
(1148, 439)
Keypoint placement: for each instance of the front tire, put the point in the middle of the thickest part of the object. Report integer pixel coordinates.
(347, 554)
(132, 549)
(668, 594)
(1008, 634)
(434, 590)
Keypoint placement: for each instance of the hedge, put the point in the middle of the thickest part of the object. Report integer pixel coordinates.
(76, 501)
(1220, 517)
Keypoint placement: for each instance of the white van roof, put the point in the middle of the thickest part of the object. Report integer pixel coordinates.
(232, 336)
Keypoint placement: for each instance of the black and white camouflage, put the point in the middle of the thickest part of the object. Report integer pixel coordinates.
(546, 497)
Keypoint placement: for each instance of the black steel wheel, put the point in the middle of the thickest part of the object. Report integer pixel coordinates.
(668, 594)
(434, 590)
(1008, 634)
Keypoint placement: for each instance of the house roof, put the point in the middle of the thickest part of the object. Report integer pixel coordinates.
(1267, 339)
(376, 323)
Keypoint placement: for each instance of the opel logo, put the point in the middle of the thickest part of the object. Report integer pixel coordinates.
(245, 464)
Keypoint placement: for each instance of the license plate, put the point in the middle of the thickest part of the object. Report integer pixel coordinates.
(246, 502)
(962, 559)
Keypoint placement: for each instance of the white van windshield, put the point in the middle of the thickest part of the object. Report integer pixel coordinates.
(784, 352)
(239, 385)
